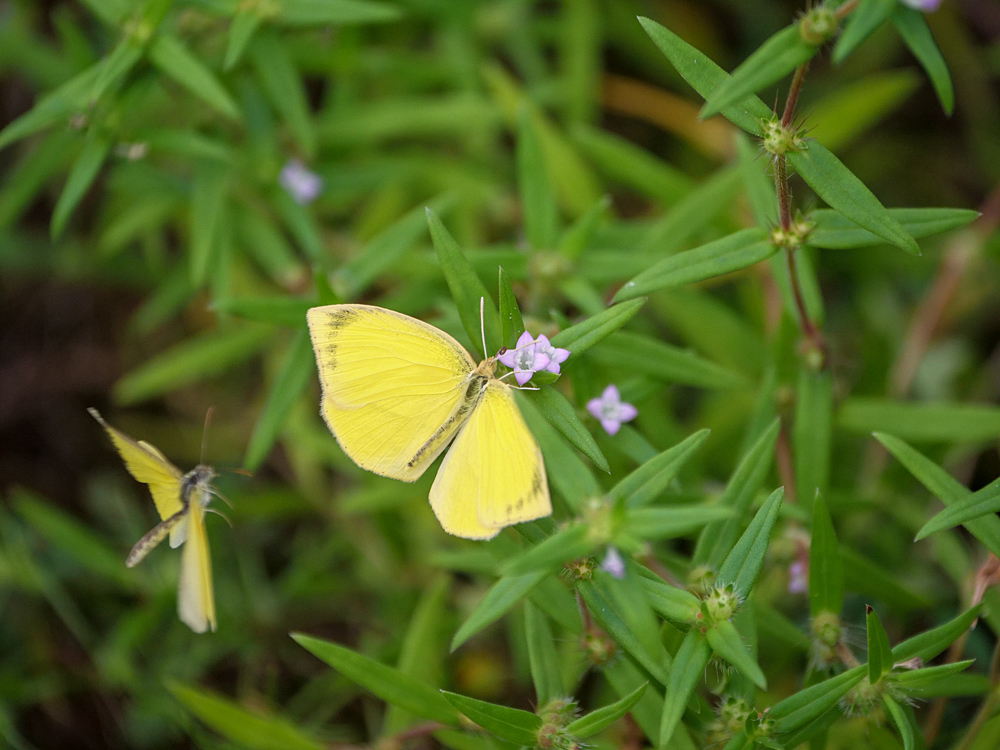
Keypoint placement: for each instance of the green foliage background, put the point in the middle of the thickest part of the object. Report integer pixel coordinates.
(152, 265)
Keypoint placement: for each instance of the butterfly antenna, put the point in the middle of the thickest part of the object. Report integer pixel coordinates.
(215, 493)
(204, 433)
(482, 323)
(221, 514)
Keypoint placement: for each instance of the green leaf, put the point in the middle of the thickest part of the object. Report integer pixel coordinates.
(782, 53)
(734, 252)
(503, 595)
(542, 656)
(667, 523)
(727, 643)
(283, 311)
(984, 502)
(826, 572)
(208, 205)
(943, 486)
(705, 77)
(116, 66)
(264, 241)
(580, 337)
(245, 728)
(912, 26)
(26, 178)
(170, 56)
(81, 175)
(718, 538)
(879, 651)
(758, 184)
(283, 84)
(55, 107)
(929, 644)
(566, 544)
(592, 723)
(560, 414)
(743, 564)
(578, 236)
(241, 30)
(920, 679)
(190, 361)
(324, 12)
(843, 191)
(902, 721)
(511, 724)
(689, 664)
(511, 324)
(635, 353)
(288, 386)
(391, 685)
(466, 288)
(931, 422)
(868, 16)
(671, 602)
(835, 231)
(849, 112)
(649, 480)
(809, 704)
(812, 433)
(538, 201)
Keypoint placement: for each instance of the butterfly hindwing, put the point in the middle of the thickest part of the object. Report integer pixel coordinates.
(195, 597)
(395, 389)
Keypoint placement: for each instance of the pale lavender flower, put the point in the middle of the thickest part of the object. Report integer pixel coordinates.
(611, 410)
(798, 578)
(613, 564)
(926, 6)
(556, 356)
(304, 186)
(525, 359)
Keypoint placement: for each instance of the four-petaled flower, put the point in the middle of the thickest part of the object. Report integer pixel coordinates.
(301, 184)
(531, 356)
(613, 564)
(927, 6)
(611, 410)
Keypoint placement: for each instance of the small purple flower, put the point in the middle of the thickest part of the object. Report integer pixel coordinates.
(927, 6)
(613, 564)
(304, 186)
(798, 578)
(556, 356)
(611, 410)
(526, 359)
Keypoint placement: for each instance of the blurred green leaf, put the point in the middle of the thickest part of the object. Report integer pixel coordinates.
(933, 422)
(592, 723)
(389, 684)
(246, 728)
(542, 655)
(503, 595)
(284, 311)
(647, 482)
(843, 191)
(511, 324)
(567, 544)
(846, 114)
(282, 83)
(538, 202)
(728, 644)
(835, 231)
(930, 643)
(812, 434)
(511, 724)
(169, 55)
(585, 334)
(323, 12)
(879, 651)
(757, 182)
(667, 523)
(985, 502)
(912, 26)
(866, 17)
(81, 175)
(246, 21)
(560, 414)
(189, 362)
(634, 353)
(54, 107)
(743, 564)
(208, 205)
(826, 573)
(689, 664)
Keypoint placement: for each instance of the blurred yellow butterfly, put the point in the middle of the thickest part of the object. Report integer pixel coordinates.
(396, 391)
(181, 500)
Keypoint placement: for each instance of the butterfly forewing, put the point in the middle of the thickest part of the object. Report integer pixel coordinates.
(395, 389)
(195, 597)
(494, 475)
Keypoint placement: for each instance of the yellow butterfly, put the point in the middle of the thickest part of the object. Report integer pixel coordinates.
(396, 391)
(181, 500)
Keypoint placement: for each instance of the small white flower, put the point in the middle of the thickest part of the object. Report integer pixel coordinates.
(613, 564)
(304, 186)
(611, 410)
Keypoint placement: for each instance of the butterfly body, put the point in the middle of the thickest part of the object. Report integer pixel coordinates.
(181, 500)
(397, 392)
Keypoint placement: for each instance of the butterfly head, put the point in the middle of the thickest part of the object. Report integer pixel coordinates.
(197, 485)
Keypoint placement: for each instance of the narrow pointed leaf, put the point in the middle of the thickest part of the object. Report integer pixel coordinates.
(580, 337)
(511, 324)
(705, 77)
(466, 287)
(932, 422)
(578, 236)
(727, 643)
(757, 183)
(282, 83)
(979, 504)
(241, 30)
(542, 656)
(807, 705)
(919, 679)
(116, 66)
(81, 175)
(835, 231)
(636, 353)
(667, 523)
(743, 563)
(671, 602)
(55, 107)
(502, 595)
(868, 16)
(902, 721)
(560, 414)
(812, 433)
(826, 572)
(782, 53)
(726, 255)
(173, 58)
(324, 12)
(283, 311)
(595, 721)
(843, 191)
(912, 26)
(929, 644)
(538, 201)
(511, 724)
(648, 481)
(566, 544)
(943, 486)
(208, 205)
(879, 651)
(689, 664)
(391, 685)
